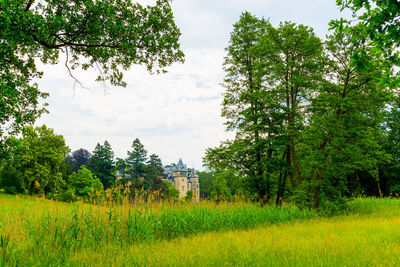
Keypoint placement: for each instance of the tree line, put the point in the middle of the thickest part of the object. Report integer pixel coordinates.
(41, 163)
(315, 121)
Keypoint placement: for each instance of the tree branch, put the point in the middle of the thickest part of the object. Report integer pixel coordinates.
(70, 72)
(28, 6)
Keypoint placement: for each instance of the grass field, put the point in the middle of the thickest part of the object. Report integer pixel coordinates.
(38, 232)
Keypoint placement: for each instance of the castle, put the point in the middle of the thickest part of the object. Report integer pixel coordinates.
(184, 180)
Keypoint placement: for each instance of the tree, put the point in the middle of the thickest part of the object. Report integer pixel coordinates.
(85, 183)
(345, 127)
(66, 167)
(80, 157)
(293, 55)
(35, 161)
(205, 181)
(189, 195)
(169, 192)
(378, 19)
(136, 160)
(220, 190)
(154, 172)
(122, 170)
(271, 74)
(390, 171)
(245, 106)
(111, 35)
(102, 164)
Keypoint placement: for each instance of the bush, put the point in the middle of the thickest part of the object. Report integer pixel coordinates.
(169, 192)
(189, 195)
(84, 183)
(10, 190)
(11, 180)
(66, 196)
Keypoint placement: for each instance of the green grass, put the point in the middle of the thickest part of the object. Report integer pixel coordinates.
(38, 232)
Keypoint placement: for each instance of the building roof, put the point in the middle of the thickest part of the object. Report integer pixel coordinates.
(180, 167)
(193, 174)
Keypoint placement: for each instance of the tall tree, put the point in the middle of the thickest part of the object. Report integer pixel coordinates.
(344, 134)
(205, 180)
(109, 35)
(80, 157)
(271, 74)
(293, 55)
(136, 160)
(245, 107)
(102, 164)
(154, 172)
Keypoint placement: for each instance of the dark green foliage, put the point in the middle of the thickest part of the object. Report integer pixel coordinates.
(154, 172)
(66, 167)
(122, 170)
(269, 73)
(102, 164)
(312, 120)
(110, 35)
(136, 160)
(205, 181)
(11, 179)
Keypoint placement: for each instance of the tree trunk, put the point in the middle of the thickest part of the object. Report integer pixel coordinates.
(295, 161)
(281, 189)
(289, 163)
(318, 191)
(379, 189)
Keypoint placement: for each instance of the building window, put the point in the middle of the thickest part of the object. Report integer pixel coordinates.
(182, 173)
(183, 180)
(183, 188)
(197, 186)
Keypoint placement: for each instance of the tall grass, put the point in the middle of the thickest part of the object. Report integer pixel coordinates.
(344, 241)
(43, 232)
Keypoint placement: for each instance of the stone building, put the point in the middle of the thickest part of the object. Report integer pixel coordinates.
(184, 180)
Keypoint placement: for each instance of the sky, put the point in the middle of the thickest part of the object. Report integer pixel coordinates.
(177, 114)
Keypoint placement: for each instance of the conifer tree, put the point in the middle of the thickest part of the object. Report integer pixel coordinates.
(136, 160)
(102, 164)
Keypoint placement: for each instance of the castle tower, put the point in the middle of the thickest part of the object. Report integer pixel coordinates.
(195, 185)
(180, 174)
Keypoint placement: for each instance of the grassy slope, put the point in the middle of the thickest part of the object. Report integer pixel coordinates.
(344, 241)
(370, 237)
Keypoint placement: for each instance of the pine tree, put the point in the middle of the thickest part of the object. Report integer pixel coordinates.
(136, 160)
(102, 164)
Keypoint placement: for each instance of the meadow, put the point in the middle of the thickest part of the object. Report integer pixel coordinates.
(39, 232)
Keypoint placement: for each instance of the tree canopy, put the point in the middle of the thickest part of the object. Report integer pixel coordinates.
(35, 161)
(102, 164)
(108, 35)
(318, 114)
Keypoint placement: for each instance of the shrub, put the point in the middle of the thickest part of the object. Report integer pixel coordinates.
(85, 184)
(11, 180)
(67, 196)
(169, 192)
(10, 190)
(189, 195)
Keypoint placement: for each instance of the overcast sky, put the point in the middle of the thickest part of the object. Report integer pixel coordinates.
(175, 115)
